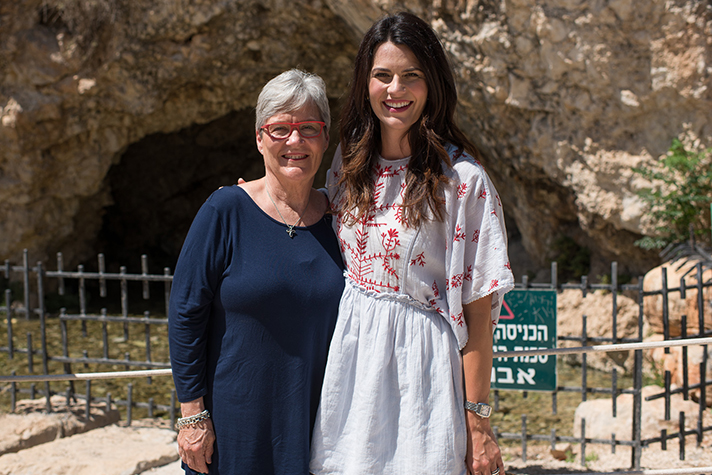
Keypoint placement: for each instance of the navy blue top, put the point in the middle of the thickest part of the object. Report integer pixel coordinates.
(251, 315)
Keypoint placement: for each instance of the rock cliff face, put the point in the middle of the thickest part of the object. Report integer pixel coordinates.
(101, 101)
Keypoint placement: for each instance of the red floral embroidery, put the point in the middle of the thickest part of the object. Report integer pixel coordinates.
(433, 304)
(468, 274)
(436, 292)
(377, 190)
(476, 236)
(498, 200)
(493, 284)
(457, 279)
(483, 194)
(387, 172)
(461, 190)
(400, 216)
(419, 260)
(508, 265)
(458, 319)
(459, 235)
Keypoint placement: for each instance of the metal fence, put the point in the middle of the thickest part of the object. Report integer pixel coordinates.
(32, 281)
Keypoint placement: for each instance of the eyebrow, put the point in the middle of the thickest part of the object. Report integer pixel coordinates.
(407, 70)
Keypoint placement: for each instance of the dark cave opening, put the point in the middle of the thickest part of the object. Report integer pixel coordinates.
(162, 180)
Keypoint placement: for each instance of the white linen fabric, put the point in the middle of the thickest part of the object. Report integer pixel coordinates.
(392, 399)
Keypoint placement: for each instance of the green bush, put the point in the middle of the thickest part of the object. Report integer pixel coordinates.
(682, 198)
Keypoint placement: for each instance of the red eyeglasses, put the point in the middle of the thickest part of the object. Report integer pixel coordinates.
(309, 129)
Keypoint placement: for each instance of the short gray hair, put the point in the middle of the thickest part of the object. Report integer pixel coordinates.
(290, 91)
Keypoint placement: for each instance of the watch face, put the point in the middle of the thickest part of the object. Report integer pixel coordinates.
(484, 410)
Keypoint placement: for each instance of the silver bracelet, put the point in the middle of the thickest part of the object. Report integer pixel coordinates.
(192, 420)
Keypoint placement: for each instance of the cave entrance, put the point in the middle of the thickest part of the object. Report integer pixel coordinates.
(161, 181)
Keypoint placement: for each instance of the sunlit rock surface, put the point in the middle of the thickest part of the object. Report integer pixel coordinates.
(562, 96)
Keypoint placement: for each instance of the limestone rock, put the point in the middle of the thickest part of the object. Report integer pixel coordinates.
(109, 450)
(30, 426)
(173, 468)
(673, 362)
(597, 306)
(600, 423)
(562, 96)
(677, 307)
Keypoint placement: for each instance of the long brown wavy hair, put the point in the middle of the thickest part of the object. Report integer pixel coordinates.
(360, 133)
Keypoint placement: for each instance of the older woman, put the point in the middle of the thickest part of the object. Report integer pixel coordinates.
(254, 300)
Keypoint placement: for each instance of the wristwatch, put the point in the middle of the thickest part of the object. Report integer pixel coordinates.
(481, 409)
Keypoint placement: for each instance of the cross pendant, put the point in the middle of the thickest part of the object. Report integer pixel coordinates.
(290, 231)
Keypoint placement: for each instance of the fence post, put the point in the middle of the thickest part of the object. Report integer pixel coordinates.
(685, 375)
(524, 438)
(583, 441)
(26, 282)
(682, 435)
(43, 316)
(700, 302)
(584, 341)
(666, 315)
(636, 451)
(8, 312)
(702, 405)
(614, 298)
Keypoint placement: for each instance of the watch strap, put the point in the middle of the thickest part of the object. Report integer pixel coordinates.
(481, 409)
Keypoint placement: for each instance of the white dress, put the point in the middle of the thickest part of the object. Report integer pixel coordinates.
(392, 398)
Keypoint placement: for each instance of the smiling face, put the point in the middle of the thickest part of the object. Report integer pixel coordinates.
(293, 158)
(397, 90)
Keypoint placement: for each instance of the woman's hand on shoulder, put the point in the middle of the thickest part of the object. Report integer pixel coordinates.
(483, 453)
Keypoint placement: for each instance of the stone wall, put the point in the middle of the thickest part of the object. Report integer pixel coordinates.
(563, 97)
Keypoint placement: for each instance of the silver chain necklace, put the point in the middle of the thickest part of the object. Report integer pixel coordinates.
(290, 229)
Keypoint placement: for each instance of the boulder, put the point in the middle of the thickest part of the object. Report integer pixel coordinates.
(30, 425)
(597, 306)
(110, 450)
(600, 423)
(660, 362)
(677, 306)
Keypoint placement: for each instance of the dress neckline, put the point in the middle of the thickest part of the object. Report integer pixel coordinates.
(252, 202)
(397, 160)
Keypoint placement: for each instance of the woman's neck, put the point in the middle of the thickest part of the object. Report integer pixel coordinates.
(394, 144)
(293, 196)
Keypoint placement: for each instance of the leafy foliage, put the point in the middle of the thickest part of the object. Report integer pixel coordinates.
(682, 199)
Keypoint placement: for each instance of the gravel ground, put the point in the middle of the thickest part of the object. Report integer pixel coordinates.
(600, 459)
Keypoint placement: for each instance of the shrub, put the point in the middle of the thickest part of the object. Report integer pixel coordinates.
(681, 197)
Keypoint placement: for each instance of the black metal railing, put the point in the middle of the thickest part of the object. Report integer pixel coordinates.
(31, 282)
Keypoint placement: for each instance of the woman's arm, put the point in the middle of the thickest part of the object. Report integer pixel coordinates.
(483, 454)
(195, 442)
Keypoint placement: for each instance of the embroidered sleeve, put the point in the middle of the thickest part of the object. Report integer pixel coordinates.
(478, 264)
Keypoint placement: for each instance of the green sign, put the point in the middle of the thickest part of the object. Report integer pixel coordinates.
(527, 322)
